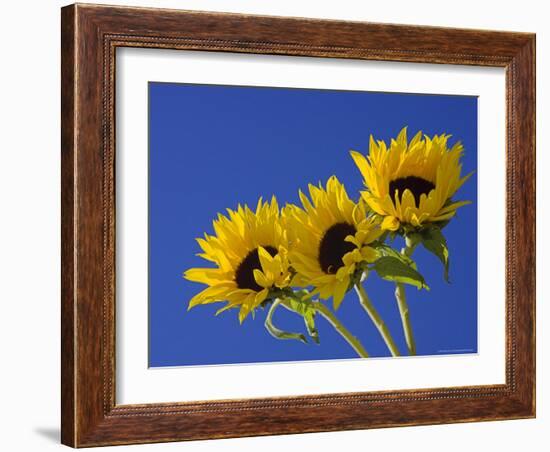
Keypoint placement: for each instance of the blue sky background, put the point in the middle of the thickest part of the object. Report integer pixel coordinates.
(212, 147)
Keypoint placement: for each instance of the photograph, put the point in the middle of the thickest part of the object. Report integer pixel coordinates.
(292, 224)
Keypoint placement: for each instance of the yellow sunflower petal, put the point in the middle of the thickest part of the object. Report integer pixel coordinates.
(369, 254)
(339, 292)
(241, 250)
(390, 224)
(261, 279)
(410, 182)
(329, 214)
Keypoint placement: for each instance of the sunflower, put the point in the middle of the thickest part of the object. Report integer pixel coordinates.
(328, 238)
(249, 250)
(412, 184)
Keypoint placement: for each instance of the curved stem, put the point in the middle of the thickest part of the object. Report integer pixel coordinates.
(276, 332)
(367, 305)
(341, 329)
(402, 301)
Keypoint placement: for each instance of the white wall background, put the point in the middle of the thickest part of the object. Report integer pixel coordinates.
(29, 224)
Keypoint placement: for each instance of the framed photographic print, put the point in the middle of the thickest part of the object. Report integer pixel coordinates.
(281, 225)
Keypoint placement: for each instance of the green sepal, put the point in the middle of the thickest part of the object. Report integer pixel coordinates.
(397, 269)
(434, 241)
(276, 332)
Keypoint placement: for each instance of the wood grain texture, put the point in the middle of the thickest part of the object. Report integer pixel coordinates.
(68, 297)
(90, 36)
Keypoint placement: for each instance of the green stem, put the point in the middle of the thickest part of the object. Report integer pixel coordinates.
(333, 320)
(367, 305)
(338, 326)
(341, 329)
(401, 298)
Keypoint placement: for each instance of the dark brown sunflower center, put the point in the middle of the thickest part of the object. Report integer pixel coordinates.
(416, 185)
(333, 247)
(244, 276)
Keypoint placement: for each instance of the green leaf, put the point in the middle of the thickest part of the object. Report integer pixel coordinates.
(278, 333)
(434, 241)
(394, 269)
(309, 320)
(386, 250)
(306, 309)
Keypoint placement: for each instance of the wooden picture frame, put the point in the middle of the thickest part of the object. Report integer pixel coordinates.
(90, 36)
